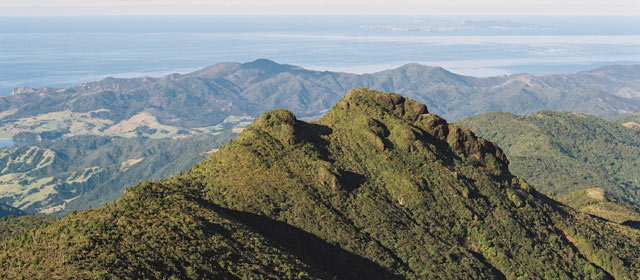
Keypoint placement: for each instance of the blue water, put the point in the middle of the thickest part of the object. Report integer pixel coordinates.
(61, 52)
(6, 143)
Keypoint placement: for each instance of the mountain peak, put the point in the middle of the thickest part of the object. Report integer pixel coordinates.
(391, 103)
(267, 64)
(392, 121)
(278, 123)
(377, 189)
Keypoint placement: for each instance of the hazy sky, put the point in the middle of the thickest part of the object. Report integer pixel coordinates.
(317, 7)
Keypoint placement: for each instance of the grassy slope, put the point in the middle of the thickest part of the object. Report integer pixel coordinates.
(630, 121)
(377, 189)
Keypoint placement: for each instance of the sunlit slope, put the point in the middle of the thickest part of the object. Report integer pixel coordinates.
(561, 152)
(376, 189)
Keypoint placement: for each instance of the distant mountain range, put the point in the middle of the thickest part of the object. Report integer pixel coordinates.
(229, 95)
(378, 188)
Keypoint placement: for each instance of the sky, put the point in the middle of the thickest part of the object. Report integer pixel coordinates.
(317, 7)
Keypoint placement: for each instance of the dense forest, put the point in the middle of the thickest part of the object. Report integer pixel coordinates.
(561, 152)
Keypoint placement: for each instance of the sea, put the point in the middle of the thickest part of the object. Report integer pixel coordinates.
(64, 51)
(7, 143)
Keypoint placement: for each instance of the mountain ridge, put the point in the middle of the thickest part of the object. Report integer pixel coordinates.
(227, 95)
(378, 188)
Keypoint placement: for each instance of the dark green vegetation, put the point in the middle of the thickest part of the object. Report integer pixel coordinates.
(11, 225)
(562, 152)
(228, 94)
(6, 210)
(597, 202)
(378, 188)
(87, 171)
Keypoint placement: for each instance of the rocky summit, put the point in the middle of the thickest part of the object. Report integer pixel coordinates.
(378, 188)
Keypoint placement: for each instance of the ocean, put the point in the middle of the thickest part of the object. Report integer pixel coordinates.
(6, 143)
(60, 52)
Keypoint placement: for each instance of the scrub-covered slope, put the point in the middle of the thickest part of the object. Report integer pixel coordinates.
(15, 225)
(376, 189)
(598, 202)
(561, 152)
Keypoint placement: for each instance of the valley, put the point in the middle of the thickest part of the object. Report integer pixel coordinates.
(63, 175)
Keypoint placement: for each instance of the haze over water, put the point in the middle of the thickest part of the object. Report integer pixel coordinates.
(60, 52)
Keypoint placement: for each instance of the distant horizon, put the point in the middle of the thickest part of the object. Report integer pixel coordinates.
(320, 7)
(64, 51)
(554, 25)
(318, 15)
(382, 16)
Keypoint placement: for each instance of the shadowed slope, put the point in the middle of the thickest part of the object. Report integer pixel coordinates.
(6, 210)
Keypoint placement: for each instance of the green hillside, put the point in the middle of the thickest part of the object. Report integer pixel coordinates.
(63, 175)
(17, 225)
(597, 202)
(376, 189)
(561, 152)
(630, 121)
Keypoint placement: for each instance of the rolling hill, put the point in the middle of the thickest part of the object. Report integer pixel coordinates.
(378, 188)
(59, 176)
(561, 152)
(228, 95)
